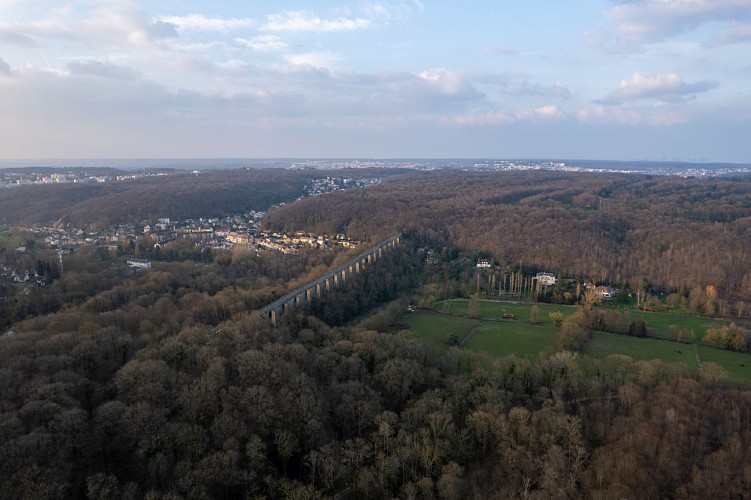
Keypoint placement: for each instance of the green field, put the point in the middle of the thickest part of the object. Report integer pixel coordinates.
(655, 321)
(661, 321)
(4, 234)
(737, 364)
(495, 309)
(497, 338)
(605, 344)
(501, 338)
(436, 328)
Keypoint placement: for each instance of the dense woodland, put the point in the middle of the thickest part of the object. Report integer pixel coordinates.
(664, 233)
(167, 384)
(181, 195)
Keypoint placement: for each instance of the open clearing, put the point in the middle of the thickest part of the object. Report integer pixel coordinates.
(737, 364)
(605, 344)
(497, 337)
(500, 338)
(437, 328)
(655, 321)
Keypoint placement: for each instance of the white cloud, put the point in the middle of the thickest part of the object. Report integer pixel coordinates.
(4, 68)
(106, 24)
(456, 84)
(653, 20)
(548, 112)
(102, 69)
(502, 51)
(262, 43)
(483, 118)
(10, 36)
(315, 59)
(447, 81)
(500, 117)
(515, 87)
(738, 33)
(666, 88)
(386, 12)
(601, 115)
(197, 22)
(299, 21)
(658, 116)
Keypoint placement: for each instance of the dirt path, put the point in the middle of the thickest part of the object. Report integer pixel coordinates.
(470, 333)
(696, 352)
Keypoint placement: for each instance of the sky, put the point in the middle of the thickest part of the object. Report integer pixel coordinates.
(583, 79)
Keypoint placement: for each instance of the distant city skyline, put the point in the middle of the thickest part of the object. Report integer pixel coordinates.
(606, 79)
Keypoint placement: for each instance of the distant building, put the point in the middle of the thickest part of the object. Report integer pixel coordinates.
(139, 264)
(545, 279)
(483, 264)
(239, 238)
(606, 292)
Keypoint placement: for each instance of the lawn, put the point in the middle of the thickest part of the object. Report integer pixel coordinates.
(494, 309)
(5, 235)
(661, 321)
(737, 364)
(604, 344)
(502, 338)
(498, 337)
(658, 322)
(436, 328)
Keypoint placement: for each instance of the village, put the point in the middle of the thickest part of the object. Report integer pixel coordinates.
(133, 240)
(220, 233)
(28, 177)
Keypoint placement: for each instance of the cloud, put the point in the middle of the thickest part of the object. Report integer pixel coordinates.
(323, 59)
(629, 115)
(450, 83)
(601, 115)
(102, 69)
(502, 51)
(386, 12)
(501, 117)
(160, 29)
(664, 88)
(262, 43)
(479, 119)
(300, 21)
(643, 21)
(105, 24)
(197, 22)
(4, 68)
(739, 33)
(548, 112)
(12, 37)
(514, 87)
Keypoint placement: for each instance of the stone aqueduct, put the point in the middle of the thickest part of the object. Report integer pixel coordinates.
(306, 293)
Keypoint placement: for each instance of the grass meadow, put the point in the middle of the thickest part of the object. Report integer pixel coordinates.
(498, 337)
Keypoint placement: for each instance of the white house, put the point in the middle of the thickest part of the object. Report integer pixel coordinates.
(139, 263)
(483, 263)
(545, 279)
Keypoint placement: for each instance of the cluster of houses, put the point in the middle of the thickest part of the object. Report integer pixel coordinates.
(316, 187)
(28, 177)
(210, 233)
(545, 278)
(25, 276)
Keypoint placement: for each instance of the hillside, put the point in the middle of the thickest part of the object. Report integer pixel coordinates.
(181, 195)
(671, 233)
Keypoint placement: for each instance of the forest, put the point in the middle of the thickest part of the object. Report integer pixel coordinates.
(168, 384)
(181, 195)
(661, 233)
